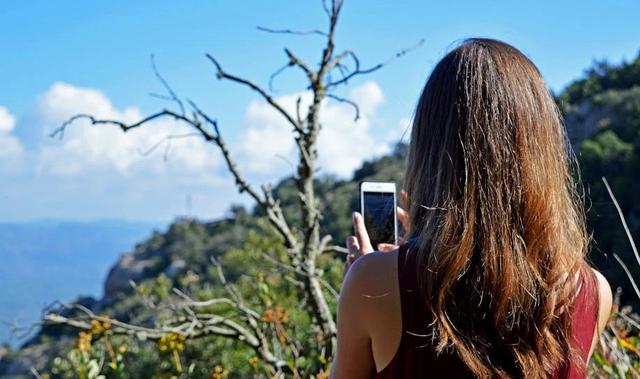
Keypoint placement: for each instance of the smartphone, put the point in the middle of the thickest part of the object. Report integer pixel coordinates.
(378, 208)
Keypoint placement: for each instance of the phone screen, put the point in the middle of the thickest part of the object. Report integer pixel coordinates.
(379, 217)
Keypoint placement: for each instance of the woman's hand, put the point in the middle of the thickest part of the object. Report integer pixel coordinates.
(357, 245)
(360, 244)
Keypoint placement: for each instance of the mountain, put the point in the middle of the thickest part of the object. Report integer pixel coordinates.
(45, 261)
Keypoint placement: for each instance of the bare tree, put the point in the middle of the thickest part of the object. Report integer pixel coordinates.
(304, 243)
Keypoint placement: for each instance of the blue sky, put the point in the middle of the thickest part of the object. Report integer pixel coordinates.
(64, 57)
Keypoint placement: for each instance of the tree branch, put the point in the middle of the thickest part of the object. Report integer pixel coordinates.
(208, 325)
(172, 95)
(336, 249)
(292, 32)
(59, 132)
(624, 222)
(275, 74)
(347, 101)
(359, 71)
(295, 61)
(221, 74)
(167, 141)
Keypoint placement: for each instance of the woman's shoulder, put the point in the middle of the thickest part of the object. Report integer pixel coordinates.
(605, 299)
(371, 284)
(373, 271)
(599, 309)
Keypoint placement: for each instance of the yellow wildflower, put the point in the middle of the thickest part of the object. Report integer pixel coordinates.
(171, 342)
(83, 342)
(219, 372)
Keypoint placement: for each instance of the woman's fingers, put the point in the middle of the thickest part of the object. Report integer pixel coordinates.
(353, 247)
(403, 217)
(361, 234)
(386, 247)
(353, 252)
(404, 199)
(359, 244)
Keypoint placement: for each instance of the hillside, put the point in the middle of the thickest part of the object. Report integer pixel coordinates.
(602, 112)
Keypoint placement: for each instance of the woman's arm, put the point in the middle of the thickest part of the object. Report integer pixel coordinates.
(354, 358)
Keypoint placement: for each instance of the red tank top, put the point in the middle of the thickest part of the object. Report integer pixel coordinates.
(417, 359)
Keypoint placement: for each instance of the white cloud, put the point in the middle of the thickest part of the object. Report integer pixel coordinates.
(7, 121)
(99, 171)
(267, 142)
(10, 146)
(105, 148)
(267, 138)
(368, 97)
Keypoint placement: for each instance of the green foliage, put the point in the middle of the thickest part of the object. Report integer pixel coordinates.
(600, 78)
(613, 151)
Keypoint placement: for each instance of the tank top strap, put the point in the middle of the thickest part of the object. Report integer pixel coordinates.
(406, 279)
(413, 307)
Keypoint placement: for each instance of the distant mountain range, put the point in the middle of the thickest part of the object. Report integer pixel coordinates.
(45, 261)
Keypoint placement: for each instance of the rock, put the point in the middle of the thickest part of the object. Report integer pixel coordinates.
(130, 267)
(583, 120)
(175, 267)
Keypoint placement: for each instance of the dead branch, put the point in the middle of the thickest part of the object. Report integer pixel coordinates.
(221, 74)
(626, 271)
(295, 61)
(292, 32)
(207, 325)
(357, 71)
(346, 101)
(273, 77)
(622, 219)
(172, 95)
(59, 132)
(336, 249)
(166, 140)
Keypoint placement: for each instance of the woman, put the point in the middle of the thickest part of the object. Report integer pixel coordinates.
(493, 280)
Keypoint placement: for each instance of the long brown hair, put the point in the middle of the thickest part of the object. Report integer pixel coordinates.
(494, 207)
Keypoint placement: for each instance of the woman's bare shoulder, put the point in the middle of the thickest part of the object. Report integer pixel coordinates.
(373, 271)
(371, 282)
(605, 299)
